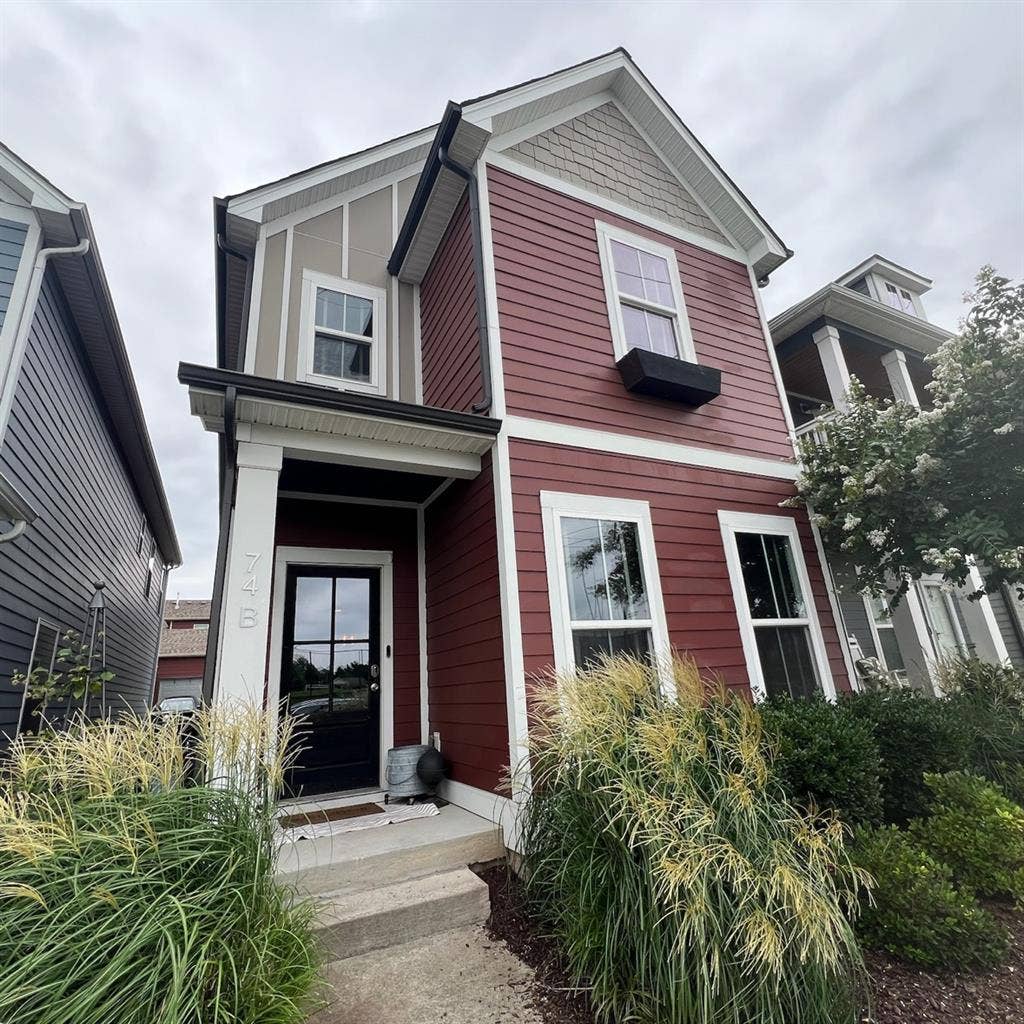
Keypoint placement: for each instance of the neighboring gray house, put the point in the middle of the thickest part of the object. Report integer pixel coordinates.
(81, 500)
(871, 323)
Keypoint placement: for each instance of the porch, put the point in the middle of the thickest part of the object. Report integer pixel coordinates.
(322, 588)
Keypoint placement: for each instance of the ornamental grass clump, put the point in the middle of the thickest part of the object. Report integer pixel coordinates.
(133, 890)
(678, 879)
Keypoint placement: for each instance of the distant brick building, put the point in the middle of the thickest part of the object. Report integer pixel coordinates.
(183, 638)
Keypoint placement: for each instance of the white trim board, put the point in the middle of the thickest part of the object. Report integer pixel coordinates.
(731, 523)
(285, 557)
(490, 806)
(552, 432)
(523, 170)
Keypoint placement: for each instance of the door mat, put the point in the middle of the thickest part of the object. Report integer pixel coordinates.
(318, 816)
(391, 815)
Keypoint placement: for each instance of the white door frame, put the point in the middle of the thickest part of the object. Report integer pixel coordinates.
(339, 558)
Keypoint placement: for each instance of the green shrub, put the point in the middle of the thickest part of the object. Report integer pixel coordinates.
(989, 701)
(677, 878)
(918, 913)
(915, 734)
(977, 831)
(825, 757)
(127, 896)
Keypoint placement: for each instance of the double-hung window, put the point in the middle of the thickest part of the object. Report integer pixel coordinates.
(885, 633)
(644, 294)
(947, 636)
(342, 334)
(782, 640)
(602, 578)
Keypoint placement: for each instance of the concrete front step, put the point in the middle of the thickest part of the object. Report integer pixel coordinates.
(352, 923)
(354, 862)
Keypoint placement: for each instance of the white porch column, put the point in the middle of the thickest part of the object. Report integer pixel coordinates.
(895, 363)
(833, 362)
(982, 625)
(245, 613)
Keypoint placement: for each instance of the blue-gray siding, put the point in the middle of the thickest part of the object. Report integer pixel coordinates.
(12, 242)
(1008, 630)
(852, 605)
(59, 452)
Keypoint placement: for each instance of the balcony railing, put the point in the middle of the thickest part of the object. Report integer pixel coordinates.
(813, 428)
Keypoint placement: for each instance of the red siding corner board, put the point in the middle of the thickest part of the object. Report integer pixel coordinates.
(557, 349)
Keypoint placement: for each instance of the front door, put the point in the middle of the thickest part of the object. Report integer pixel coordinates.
(330, 677)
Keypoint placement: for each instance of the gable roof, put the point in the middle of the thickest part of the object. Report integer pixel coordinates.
(893, 271)
(513, 107)
(65, 222)
(183, 643)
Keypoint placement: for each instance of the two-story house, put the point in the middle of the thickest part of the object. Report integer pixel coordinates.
(871, 323)
(84, 520)
(182, 663)
(494, 397)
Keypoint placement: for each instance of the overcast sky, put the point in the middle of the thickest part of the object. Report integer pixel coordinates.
(853, 127)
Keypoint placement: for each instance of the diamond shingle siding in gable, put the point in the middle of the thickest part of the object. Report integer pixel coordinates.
(601, 151)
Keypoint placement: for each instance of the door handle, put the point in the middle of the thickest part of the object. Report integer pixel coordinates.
(374, 671)
(374, 687)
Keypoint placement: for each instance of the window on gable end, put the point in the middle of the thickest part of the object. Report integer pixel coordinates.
(645, 295)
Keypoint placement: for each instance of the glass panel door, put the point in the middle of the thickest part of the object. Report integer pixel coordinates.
(330, 677)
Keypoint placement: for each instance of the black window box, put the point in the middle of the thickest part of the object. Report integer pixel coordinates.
(651, 373)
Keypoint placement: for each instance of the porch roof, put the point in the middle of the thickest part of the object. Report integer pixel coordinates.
(313, 422)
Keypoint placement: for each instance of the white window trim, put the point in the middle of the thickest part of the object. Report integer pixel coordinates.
(554, 507)
(311, 280)
(732, 523)
(608, 233)
(947, 598)
(876, 627)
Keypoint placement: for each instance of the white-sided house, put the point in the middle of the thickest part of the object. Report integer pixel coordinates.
(469, 383)
(871, 323)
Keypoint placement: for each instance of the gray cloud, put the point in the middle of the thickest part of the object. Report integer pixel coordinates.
(854, 128)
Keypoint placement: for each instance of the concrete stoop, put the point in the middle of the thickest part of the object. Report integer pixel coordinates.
(389, 886)
(352, 923)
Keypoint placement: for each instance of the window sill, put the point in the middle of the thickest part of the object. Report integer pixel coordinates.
(341, 384)
(660, 376)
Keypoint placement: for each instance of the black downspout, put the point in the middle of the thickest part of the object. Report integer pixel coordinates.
(484, 405)
(227, 500)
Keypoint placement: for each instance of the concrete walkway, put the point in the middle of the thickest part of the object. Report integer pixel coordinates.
(454, 977)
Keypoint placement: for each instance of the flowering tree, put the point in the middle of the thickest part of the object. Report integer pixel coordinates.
(904, 492)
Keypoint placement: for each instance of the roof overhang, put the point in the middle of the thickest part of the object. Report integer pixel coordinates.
(65, 222)
(892, 271)
(842, 305)
(438, 193)
(317, 423)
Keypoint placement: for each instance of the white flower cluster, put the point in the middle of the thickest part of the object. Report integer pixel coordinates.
(851, 522)
(1006, 428)
(877, 538)
(943, 560)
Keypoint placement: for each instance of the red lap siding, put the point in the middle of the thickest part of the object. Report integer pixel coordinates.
(557, 351)
(684, 502)
(320, 524)
(465, 657)
(448, 321)
(180, 668)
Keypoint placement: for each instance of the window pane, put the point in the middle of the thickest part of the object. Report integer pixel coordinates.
(584, 569)
(358, 316)
(351, 608)
(312, 608)
(891, 653)
(940, 620)
(650, 331)
(786, 661)
(626, 261)
(603, 569)
(330, 309)
(656, 280)
(309, 683)
(626, 591)
(590, 644)
(338, 357)
(769, 576)
(351, 676)
(662, 333)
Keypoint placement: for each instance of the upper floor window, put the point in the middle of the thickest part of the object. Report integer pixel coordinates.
(782, 640)
(342, 333)
(645, 295)
(899, 298)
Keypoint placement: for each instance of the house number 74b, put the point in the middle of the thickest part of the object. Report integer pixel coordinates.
(251, 584)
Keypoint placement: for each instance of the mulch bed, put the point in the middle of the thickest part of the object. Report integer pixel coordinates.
(902, 993)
